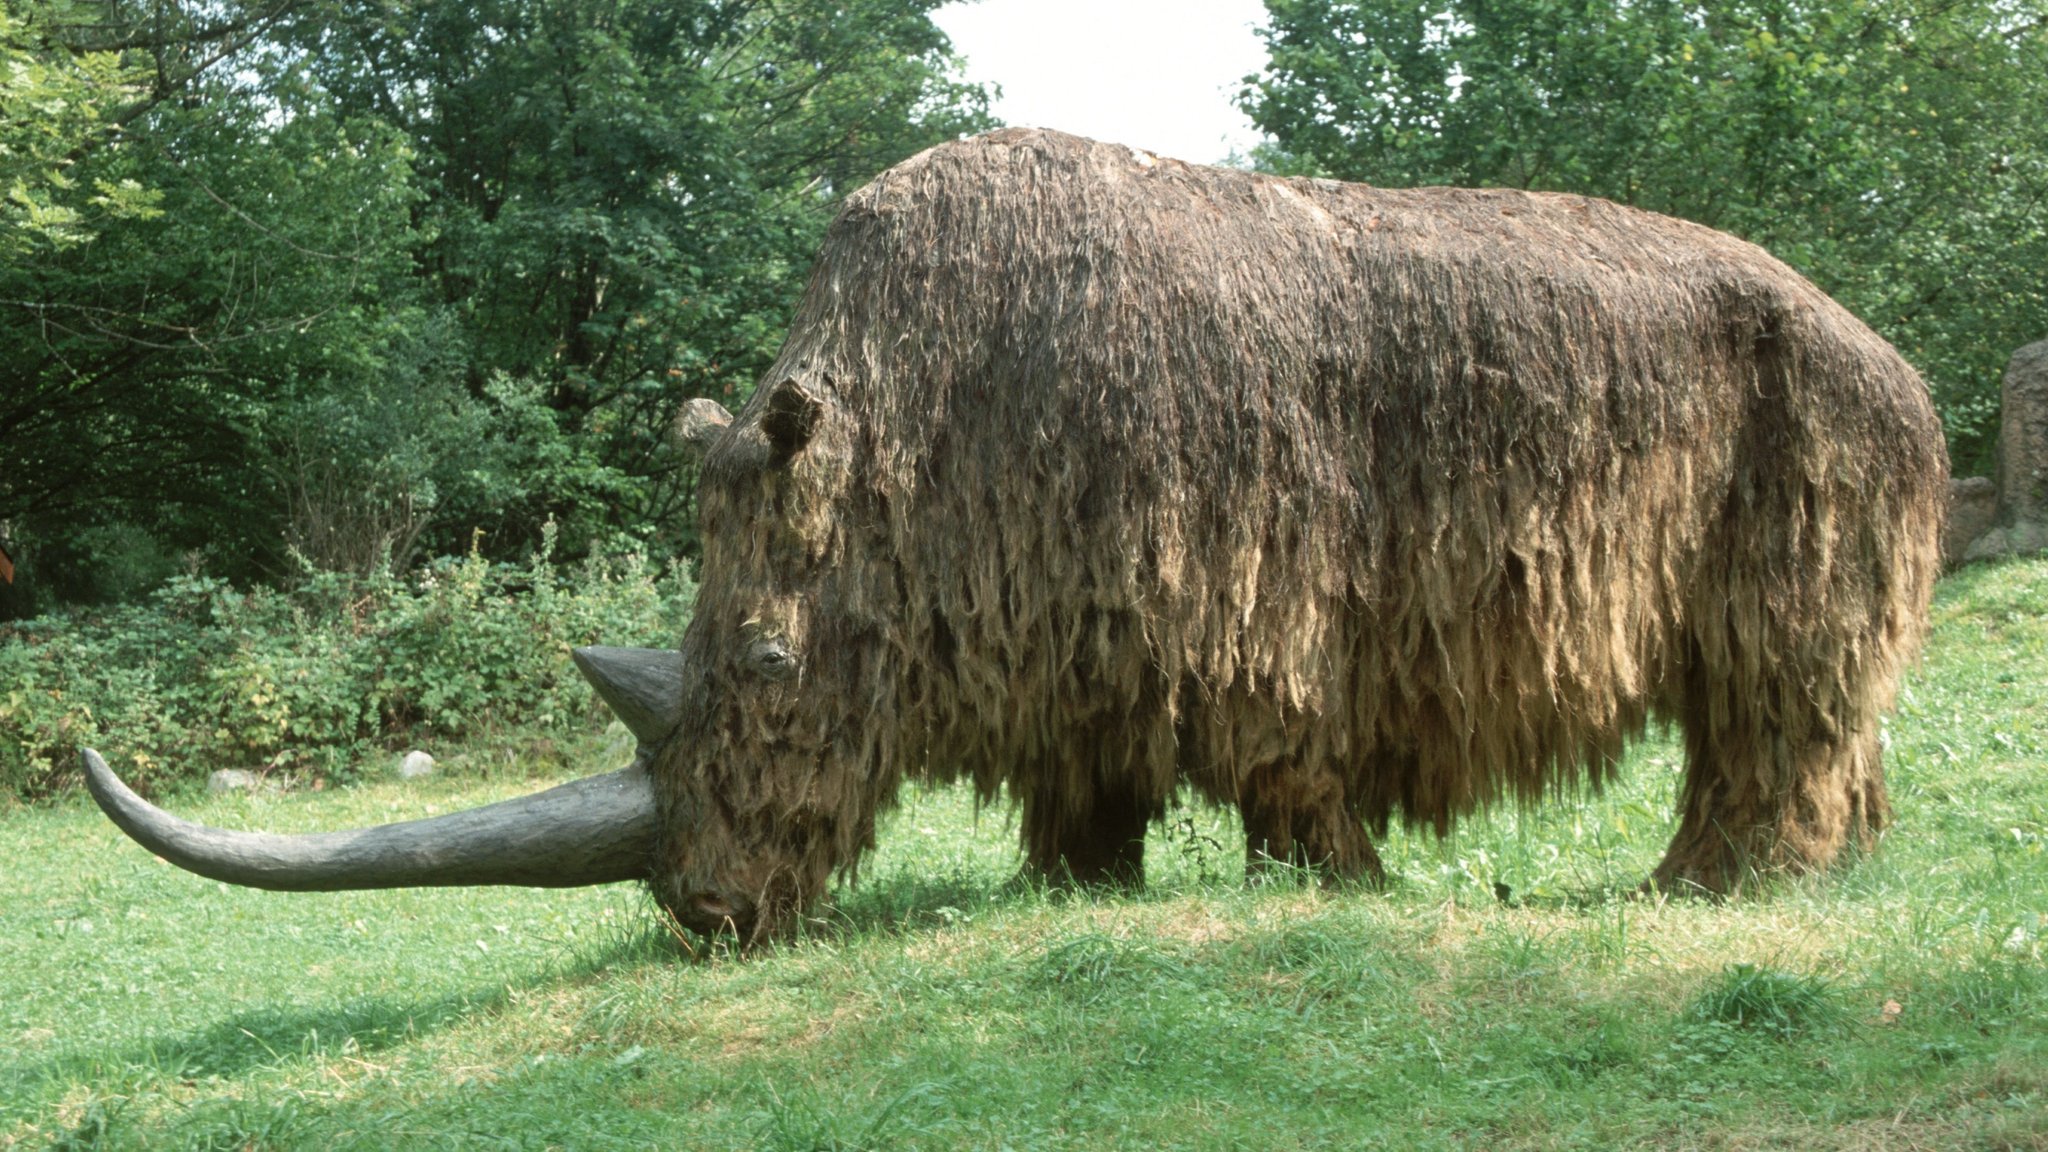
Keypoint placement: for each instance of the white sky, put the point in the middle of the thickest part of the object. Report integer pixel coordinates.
(1154, 74)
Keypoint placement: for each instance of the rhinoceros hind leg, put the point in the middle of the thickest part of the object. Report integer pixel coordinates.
(1779, 778)
(1299, 825)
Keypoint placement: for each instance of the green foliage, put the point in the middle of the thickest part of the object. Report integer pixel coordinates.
(377, 472)
(357, 280)
(320, 677)
(802, 1124)
(55, 104)
(154, 363)
(621, 203)
(1892, 150)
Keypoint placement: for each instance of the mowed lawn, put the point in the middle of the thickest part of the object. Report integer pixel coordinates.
(1503, 994)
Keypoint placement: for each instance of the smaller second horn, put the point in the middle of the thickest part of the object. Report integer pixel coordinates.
(644, 687)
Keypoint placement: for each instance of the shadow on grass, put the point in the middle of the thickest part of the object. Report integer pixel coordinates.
(245, 1039)
(906, 902)
(102, 1085)
(265, 1036)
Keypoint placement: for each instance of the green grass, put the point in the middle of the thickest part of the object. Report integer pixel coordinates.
(1901, 1002)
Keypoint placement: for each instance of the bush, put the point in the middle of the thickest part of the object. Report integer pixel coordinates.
(320, 676)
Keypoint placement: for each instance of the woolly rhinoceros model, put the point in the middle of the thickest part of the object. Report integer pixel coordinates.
(1092, 477)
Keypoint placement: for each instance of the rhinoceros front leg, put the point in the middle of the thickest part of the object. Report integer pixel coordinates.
(1085, 836)
(1295, 820)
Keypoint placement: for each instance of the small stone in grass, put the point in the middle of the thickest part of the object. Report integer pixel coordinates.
(231, 780)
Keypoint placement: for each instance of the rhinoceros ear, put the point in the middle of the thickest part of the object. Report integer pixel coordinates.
(792, 416)
(697, 425)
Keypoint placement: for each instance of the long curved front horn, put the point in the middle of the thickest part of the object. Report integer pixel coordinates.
(592, 831)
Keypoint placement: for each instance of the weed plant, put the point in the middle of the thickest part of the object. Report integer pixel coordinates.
(1507, 991)
(1782, 1004)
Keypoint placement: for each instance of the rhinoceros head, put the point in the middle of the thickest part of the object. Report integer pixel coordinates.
(774, 775)
(753, 781)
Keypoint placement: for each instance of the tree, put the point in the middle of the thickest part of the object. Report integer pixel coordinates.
(1892, 150)
(258, 246)
(623, 197)
(55, 104)
(355, 279)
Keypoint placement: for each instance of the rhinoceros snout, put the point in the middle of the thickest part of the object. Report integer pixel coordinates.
(711, 914)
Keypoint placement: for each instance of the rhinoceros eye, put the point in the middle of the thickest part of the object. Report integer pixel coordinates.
(770, 657)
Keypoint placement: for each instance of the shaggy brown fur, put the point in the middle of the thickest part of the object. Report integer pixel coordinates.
(1091, 476)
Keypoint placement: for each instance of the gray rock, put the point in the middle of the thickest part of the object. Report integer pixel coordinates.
(2021, 523)
(415, 765)
(231, 780)
(620, 744)
(1972, 511)
(697, 425)
(2023, 438)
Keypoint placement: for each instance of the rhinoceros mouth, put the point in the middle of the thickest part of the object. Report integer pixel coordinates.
(596, 830)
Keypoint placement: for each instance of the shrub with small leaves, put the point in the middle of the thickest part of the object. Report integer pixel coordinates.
(322, 676)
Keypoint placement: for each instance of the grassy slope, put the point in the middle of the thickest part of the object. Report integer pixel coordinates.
(1902, 1003)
